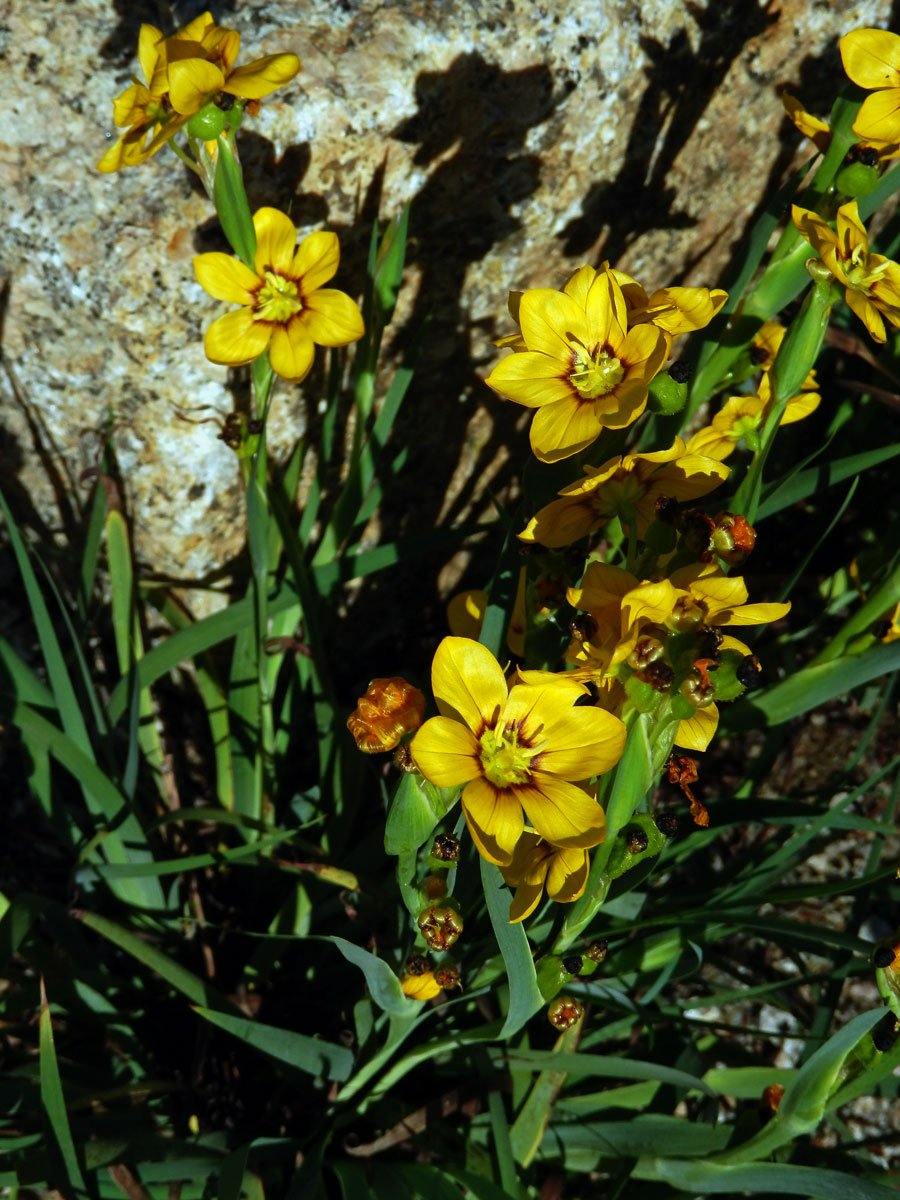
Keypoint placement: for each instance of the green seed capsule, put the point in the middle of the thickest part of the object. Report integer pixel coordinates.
(207, 124)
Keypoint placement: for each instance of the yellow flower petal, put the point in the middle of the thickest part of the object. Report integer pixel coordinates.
(604, 308)
(318, 257)
(191, 82)
(468, 683)
(420, 987)
(465, 613)
(563, 428)
(525, 900)
(530, 379)
(800, 406)
(851, 233)
(697, 731)
(494, 819)
(276, 237)
(863, 307)
(816, 231)
(871, 58)
(561, 523)
(225, 278)
(582, 743)
(332, 318)
(756, 614)
(446, 752)
(262, 77)
(150, 41)
(236, 338)
(550, 321)
(194, 30)
(579, 284)
(567, 876)
(292, 350)
(562, 813)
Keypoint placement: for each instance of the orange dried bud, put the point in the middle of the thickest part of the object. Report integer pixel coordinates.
(733, 538)
(389, 709)
(771, 1098)
(565, 1012)
(440, 926)
(682, 770)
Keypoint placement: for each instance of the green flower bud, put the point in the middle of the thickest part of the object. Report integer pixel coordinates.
(856, 180)
(207, 124)
(666, 396)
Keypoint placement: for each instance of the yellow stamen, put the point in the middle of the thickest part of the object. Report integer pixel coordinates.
(278, 299)
(594, 373)
(504, 759)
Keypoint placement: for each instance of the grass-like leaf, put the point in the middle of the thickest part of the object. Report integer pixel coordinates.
(312, 1055)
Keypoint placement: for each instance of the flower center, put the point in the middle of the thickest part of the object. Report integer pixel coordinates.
(594, 372)
(504, 759)
(860, 275)
(278, 299)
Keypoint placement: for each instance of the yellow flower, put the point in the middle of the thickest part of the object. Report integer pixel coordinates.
(741, 416)
(583, 369)
(676, 310)
(284, 309)
(871, 58)
(420, 984)
(201, 64)
(183, 73)
(871, 281)
(536, 864)
(626, 486)
(519, 752)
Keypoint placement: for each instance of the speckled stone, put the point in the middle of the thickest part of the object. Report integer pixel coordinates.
(528, 137)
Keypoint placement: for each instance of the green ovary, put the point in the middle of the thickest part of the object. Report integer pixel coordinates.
(278, 299)
(504, 760)
(594, 374)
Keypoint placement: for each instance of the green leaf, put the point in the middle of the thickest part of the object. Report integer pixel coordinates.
(816, 479)
(416, 809)
(772, 1179)
(525, 997)
(309, 1054)
(579, 1065)
(198, 991)
(230, 200)
(53, 1100)
(647, 1134)
(531, 1121)
(384, 985)
(810, 687)
(124, 841)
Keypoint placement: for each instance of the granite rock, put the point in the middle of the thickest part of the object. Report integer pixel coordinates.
(528, 137)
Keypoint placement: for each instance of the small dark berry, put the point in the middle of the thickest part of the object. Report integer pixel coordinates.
(636, 841)
(884, 956)
(573, 964)
(681, 371)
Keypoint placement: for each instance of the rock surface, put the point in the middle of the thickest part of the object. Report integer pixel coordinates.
(527, 137)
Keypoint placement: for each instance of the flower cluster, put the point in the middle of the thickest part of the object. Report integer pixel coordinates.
(183, 74)
(657, 644)
(585, 355)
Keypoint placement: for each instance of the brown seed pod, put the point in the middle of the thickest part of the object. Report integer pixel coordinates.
(597, 951)
(572, 964)
(440, 926)
(445, 848)
(565, 1012)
